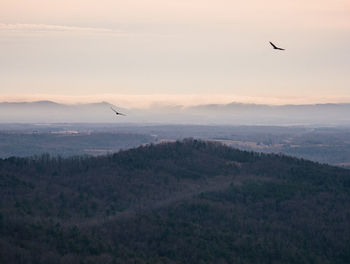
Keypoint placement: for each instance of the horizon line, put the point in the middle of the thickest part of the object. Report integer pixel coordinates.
(160, 104)
(185, 100)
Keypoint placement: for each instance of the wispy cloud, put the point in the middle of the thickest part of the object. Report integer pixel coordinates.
(35, 28)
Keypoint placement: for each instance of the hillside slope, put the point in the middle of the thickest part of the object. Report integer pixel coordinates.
(182, 202)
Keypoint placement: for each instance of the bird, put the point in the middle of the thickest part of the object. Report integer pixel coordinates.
(275, 47)
(117, 113)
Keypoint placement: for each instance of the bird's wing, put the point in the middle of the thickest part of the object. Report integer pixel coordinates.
(117, 112)
(273, 45)
(280, 49)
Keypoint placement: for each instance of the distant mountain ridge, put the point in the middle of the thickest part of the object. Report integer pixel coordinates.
(50, 112)
(49, 103)
(232, 113)
(234, 105)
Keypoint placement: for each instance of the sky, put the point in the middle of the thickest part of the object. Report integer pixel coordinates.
(139, 53)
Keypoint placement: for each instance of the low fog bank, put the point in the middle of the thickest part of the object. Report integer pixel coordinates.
(213, 114)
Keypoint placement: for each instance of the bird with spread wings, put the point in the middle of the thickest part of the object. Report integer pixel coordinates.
(275, 47)
(116, 112)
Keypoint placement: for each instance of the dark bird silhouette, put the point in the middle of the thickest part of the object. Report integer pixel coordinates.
(116, 112)
(275, 47)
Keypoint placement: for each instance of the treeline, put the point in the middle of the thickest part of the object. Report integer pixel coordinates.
(189, 201)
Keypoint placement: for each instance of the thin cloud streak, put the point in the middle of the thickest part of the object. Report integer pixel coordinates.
(27, 28)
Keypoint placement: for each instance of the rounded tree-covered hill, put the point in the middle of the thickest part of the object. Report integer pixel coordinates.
(183, 202)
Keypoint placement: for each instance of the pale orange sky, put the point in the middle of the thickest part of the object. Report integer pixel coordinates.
(137, 52)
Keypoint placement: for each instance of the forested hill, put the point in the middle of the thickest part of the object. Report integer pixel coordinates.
(181, 202)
